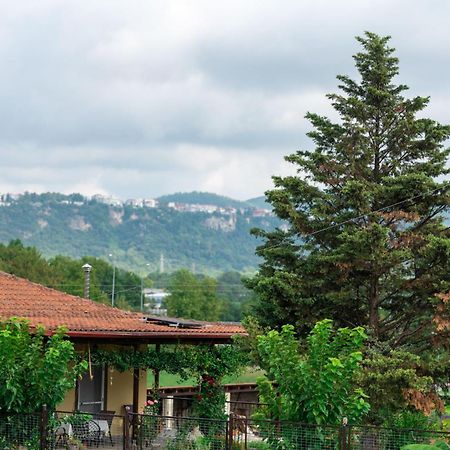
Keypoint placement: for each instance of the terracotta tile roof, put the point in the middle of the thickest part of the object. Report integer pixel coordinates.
(86, 318)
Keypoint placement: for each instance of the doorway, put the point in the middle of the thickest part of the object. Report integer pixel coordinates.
(91, 391)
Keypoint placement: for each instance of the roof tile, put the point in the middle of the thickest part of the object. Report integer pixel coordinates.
(51, 308)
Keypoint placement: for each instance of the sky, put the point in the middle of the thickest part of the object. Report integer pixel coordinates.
(144, 98)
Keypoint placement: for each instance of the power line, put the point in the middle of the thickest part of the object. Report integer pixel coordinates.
(425, 194)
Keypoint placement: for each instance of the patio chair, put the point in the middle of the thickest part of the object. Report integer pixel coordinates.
(88, 432)
(108, 416)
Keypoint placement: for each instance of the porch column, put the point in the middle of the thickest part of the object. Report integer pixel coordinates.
(227, 403)
(135, 390)
(135, 397)
(168, 411)
(156, 372)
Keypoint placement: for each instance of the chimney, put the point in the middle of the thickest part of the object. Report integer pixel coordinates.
(87, 279)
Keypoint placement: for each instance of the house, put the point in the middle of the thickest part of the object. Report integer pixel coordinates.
(89, 325)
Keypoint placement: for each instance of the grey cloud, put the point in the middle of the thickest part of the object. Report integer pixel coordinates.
(103, 95)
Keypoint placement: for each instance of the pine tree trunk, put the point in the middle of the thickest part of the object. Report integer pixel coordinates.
(374, 318)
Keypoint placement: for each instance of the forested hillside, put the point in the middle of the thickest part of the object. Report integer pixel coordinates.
(70, 225)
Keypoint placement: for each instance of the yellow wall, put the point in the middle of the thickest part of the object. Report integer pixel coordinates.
(120, 390)
(69, 402)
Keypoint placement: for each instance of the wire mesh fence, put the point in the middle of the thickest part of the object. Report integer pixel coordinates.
(377, 438)
(178, 433)
(21, 430)
(75, 430)
(266, 434)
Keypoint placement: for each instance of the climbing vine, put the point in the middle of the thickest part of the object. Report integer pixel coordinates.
(174, 361)
(184, 360)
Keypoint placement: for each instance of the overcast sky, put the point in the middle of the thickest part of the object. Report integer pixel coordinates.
(144, 98)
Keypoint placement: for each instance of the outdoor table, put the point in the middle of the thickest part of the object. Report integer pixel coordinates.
(103, 425)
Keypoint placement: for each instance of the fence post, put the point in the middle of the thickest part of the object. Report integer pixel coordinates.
(344, 441)
(126, 429)
(230, 431)
(43, 428)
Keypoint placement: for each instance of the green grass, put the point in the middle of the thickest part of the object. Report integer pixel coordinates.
(168, 379)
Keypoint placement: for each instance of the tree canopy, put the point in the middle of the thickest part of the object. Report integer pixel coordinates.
(192, 297)
(366, 243)
(318, 386)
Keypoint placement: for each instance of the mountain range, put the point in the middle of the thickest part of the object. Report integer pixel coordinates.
(141, 239)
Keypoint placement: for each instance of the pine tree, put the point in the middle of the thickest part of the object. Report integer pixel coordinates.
(366, 242)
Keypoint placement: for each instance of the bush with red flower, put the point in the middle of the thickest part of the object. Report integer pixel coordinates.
(150, 420)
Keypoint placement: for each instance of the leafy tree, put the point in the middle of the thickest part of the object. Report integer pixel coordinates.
(318, 387)
(69, 277)
(366, 243)
(36, 370)
(192, 297)
(397, 387)
(235, 297)
(25, 262)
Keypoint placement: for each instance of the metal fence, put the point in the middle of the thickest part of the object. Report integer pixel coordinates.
(148, 432)
(178, 433)
(22, 431)
(374, 438)
(239, 432)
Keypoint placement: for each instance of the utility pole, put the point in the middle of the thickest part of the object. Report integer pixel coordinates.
(142, 290)
(113, 289)
(161, 263)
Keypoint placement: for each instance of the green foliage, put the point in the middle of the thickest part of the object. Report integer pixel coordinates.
(167, 359)
(36, 370)
(443, 445)
(201, 297)
(355, 250)
(192, 297)
(236, 299)
(387, 375)
(209, 365)
(318, 387)
(410, 420)
(420, 447)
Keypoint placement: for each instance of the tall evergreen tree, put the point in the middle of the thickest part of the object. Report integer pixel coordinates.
(366, 242)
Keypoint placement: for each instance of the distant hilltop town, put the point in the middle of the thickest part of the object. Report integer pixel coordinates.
(78, 200)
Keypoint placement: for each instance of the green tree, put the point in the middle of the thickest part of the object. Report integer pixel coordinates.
(26, 262)
(317, 387)
(35, 370)
(397, 387)
(69, 277)
(235, 296)
(192, 297)
(365, 244)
